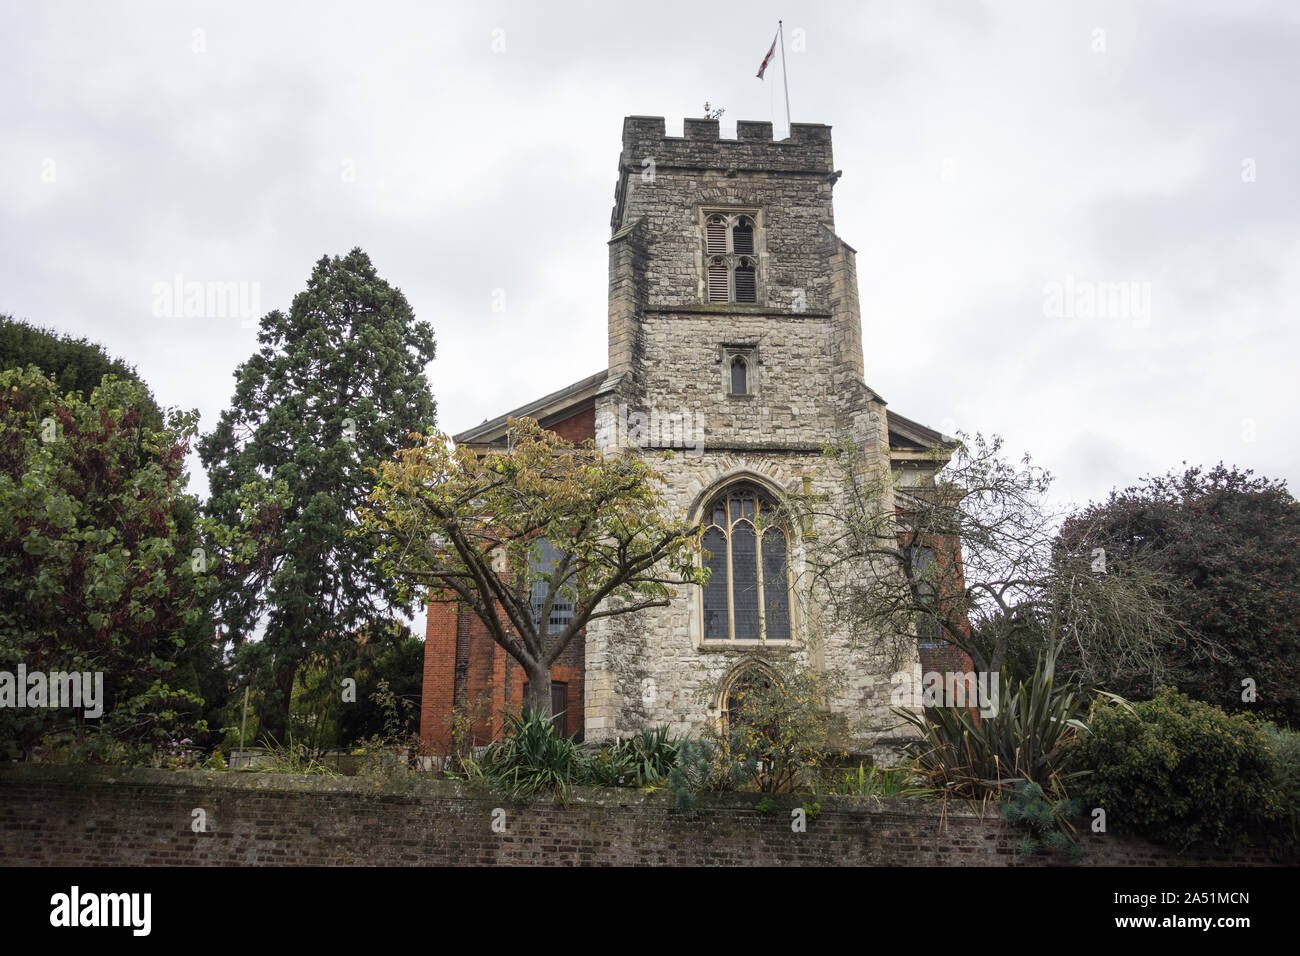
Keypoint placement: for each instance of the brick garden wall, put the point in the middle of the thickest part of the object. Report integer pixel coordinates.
(94, 816)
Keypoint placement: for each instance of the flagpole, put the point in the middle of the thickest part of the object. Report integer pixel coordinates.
(785, 81)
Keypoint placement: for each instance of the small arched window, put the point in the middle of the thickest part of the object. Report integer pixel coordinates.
(748, 680)
(929, 632)
(747, 551)
(739, 376)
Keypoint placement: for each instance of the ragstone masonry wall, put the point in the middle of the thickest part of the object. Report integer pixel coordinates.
(666, 357)
(77, 816)
(661, 671)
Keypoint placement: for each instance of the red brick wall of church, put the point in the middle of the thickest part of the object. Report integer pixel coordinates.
(577, 428)
(947, 550)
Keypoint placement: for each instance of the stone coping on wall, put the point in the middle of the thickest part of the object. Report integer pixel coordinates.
(428, 786)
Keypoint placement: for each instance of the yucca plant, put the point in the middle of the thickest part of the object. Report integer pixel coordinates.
(653, 755)
(965, 756)
(532, 757)
(610, 766)
(641, 761)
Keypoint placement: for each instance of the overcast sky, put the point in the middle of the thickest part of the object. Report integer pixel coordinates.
(997, 158)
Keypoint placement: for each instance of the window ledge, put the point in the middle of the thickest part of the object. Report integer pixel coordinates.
(750, 645)
(757, 308)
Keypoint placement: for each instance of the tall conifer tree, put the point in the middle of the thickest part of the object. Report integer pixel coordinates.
(335, 388)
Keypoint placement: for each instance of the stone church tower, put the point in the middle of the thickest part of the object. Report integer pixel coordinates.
(735, 339)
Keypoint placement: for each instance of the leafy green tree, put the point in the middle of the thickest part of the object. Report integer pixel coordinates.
(76, 365)
(97, 566)
(476, 528)
(399, 662)
(323, 719)
(1230, 544)
(334, 389)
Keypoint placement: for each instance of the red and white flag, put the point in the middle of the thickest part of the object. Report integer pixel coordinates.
(768, 59)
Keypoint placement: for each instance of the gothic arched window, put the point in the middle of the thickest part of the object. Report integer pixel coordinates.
(747, 551)
(739, 376)
(745, 681)
(929, 632)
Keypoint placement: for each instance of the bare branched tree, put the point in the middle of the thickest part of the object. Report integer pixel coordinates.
(969, 543)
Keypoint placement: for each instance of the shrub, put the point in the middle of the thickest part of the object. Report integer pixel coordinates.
(610, 766)
(96, 573)
(1178, 771)
(532, 757)
(653, 755)
(641, 761)
(781, 726)
(780, 732)
(874, 781)
(1044, 820)
(1285, 745)
(294, 758)
(707, 765)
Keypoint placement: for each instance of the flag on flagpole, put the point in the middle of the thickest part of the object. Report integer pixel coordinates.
(767, 59)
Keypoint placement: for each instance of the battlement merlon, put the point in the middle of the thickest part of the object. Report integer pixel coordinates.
(807, 150)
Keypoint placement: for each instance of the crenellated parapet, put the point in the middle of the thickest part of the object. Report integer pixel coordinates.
(806, 150)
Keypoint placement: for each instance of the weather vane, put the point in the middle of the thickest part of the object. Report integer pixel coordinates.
(713, 112)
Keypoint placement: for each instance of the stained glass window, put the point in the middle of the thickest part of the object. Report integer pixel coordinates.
(746, 550)
(744, 581)
(716, 625)
(776, 591)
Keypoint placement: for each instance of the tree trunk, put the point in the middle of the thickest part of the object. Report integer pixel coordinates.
(538, 700)
(275, 725)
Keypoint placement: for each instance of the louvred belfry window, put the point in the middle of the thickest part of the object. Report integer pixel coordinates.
(746, 549)
(731, 258)
(715, 236)
(746, 287)
(718, 286)
(742, 236)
